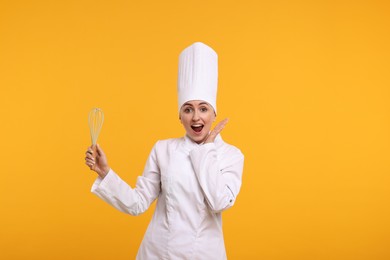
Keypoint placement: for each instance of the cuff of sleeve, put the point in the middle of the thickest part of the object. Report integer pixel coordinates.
(99, 182)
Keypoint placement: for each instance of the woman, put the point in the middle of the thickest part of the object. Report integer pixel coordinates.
(194, 178)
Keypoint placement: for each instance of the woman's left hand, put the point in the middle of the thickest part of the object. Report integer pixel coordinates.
(217, 129)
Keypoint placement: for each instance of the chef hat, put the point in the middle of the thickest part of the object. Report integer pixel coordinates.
(198, 75)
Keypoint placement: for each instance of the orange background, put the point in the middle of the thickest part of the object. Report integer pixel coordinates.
(304, 83)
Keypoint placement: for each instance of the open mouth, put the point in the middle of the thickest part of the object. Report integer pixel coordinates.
(197, 128)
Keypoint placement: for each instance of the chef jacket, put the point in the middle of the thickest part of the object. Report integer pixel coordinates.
(194, 183)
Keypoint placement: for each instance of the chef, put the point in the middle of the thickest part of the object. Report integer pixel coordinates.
(194, 178)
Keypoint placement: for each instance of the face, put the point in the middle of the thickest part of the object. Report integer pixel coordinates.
(197, 116)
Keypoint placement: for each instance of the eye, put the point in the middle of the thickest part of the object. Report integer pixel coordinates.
(203, 109)
(187, 110)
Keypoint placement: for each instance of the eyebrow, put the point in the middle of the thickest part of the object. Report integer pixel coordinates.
(201, 103)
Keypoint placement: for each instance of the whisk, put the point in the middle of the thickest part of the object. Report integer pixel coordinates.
(95, 122)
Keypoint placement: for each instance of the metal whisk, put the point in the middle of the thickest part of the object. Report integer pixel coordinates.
(95, 122)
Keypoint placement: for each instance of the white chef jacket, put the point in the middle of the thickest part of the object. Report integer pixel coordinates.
(194, 183)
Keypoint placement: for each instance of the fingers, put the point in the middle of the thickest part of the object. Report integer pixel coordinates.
(88, 154)
(89, 158)
(217, 129)
(90, 165)
(89, 161)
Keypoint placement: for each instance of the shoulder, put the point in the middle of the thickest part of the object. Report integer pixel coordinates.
(167, 143)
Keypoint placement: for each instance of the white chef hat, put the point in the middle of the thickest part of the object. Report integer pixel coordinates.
(198, 75)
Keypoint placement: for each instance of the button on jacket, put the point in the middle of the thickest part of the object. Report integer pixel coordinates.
(193, 184)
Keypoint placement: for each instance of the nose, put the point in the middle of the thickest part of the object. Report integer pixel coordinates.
(195, 116)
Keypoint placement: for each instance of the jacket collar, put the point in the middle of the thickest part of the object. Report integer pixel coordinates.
(191, 144)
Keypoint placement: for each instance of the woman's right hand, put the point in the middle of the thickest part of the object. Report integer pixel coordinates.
(96, 160)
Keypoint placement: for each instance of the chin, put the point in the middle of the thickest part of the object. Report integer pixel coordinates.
(198, 139)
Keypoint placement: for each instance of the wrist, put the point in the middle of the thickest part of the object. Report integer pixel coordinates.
(104, 171)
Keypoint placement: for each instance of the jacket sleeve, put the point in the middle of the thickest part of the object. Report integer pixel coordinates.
(134, 201)
(220, 182)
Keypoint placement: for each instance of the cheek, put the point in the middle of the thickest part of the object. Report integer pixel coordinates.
(184, 122)
(211, 118)
(208, 122)
(182, 119)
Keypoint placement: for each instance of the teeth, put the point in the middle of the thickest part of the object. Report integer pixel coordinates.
(196, 125)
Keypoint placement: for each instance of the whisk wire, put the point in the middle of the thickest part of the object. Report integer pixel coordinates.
(95, 122)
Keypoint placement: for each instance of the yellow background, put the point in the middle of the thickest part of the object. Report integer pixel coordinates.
(305, 84)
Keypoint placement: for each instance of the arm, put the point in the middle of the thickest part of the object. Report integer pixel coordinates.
(220, 184)
(116, 192)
